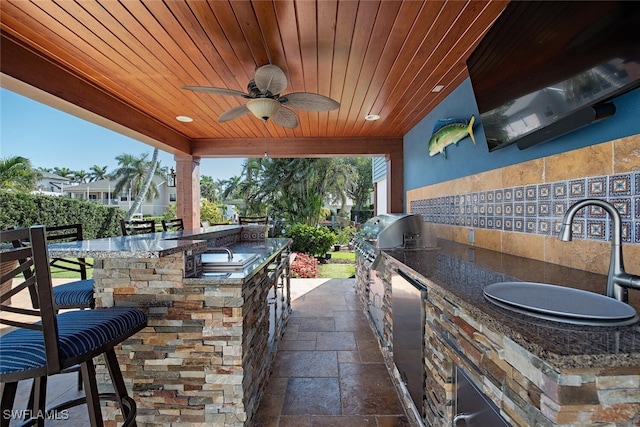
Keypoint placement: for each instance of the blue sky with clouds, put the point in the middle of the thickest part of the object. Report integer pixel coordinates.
(52, 138)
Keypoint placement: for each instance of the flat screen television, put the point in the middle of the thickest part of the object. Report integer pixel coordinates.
(546, 68)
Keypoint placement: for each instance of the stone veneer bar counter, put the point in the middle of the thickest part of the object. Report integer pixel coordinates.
(205, 356)
(537, 372)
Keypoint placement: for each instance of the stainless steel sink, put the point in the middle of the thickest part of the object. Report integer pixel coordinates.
(560, 304)
(220, 262)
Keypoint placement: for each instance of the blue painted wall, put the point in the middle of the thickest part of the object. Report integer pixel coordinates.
(466, 159)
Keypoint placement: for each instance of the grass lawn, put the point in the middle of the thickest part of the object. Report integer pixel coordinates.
(336, 271)
(58, 273)
(340, 266)
(349, 256)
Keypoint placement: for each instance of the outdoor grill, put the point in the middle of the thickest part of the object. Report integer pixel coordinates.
(393, 231)
(411, 235)
(388, 231)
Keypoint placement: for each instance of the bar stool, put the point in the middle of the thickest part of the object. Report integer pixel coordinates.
(133, 227)
(71, 295)
(75, 294)
(44, 342)
(172, 224)
(256, 220)
(79, 293)
(253, 220)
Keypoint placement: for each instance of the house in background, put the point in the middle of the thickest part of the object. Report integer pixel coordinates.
(103, 192)
(380, 182)
(51, 184)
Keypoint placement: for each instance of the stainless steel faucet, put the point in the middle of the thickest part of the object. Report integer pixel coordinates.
(222, 249)
(618, 281)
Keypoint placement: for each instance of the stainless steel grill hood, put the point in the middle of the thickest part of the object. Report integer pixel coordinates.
(405, 231)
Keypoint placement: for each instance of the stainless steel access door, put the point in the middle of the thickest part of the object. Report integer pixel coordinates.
(407, 296)
(473, 408)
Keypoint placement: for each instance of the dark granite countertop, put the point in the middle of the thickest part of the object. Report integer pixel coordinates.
(156, 245)
(148, 245)
(460, 272)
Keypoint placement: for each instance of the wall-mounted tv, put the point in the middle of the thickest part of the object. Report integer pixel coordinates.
(546, 68)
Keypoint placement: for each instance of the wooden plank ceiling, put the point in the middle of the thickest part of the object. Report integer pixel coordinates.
(374, 57)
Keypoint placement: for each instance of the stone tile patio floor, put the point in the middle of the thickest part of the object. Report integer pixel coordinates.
(328, 371)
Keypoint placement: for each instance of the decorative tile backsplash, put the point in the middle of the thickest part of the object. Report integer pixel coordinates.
(539, 209)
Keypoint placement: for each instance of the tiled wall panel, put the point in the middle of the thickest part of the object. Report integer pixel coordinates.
(516, 209)
(539, 208)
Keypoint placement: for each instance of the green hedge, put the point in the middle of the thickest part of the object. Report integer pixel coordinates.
(315, 241)
(24, 210)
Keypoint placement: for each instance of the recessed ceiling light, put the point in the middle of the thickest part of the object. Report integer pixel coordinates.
(371, 117)
(184, 119)
(437, 89)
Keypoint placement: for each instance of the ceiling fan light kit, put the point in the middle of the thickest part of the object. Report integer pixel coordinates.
(265, 99)
(264, 108)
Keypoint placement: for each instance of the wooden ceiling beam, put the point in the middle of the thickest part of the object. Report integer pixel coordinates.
(297, 147)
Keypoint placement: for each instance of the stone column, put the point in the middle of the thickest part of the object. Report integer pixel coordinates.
(188, 190)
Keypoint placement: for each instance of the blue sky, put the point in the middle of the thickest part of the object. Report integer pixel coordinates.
(52, 138)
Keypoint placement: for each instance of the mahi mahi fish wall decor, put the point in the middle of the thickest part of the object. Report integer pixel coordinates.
(450, 131)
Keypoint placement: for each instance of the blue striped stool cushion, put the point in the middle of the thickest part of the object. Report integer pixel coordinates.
(80, 331)
(74, 294)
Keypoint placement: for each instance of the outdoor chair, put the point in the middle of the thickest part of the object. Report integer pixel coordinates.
(44, 342)
(172, 224)
(79, 293)
(132, 227)
(253, 220)
(75, 294)
(71, 295)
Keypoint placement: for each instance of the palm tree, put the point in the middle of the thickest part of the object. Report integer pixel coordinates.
(220, 185)
(97, 173)
(293, 188)
(17, 174)
(80, 176)
(360, 191)
(232, 185)
(136, 174)
(342, 176)
(249, 186)
(63, 172)
(208, 188)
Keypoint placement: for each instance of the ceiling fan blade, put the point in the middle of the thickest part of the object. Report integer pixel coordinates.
(270, 78)
(310, 101)
(286, 118)
(233, 113)
(216, 90)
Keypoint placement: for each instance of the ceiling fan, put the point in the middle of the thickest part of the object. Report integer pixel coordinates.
(266, 101)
